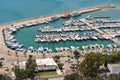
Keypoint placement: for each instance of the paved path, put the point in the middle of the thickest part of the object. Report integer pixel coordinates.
(115, 40)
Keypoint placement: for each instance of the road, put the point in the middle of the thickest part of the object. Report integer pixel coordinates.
(9, 60)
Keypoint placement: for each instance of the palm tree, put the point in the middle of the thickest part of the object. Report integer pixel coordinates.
(97, 47)
(105, 50)
(8, 52)
(25, 53)
(87, 49)
(68, 57)
(44, 55)
(73, 67)
(17, 58)
(77, 56)
(112, 48)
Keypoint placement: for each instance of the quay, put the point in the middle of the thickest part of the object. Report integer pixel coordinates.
(5, 49)
(101, 32)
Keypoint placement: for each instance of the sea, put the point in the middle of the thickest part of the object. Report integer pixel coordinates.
(13, 10)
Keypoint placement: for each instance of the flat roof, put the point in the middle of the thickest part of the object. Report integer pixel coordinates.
(115, 64)
(43, 61)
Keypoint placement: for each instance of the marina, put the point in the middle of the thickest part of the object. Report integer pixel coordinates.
(68, 26)
(59, 39)
(64, 37)
(86, 23)
(78, 25)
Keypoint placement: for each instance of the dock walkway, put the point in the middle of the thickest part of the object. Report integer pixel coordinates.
(115, 40)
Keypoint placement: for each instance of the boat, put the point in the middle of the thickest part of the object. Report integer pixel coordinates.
(94, 37)
(55, 18)
(75, 14)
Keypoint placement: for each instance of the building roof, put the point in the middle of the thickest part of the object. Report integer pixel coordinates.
(114, 68)
(44, 61)
(115, 65)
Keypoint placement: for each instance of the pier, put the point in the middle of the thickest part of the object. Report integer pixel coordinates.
(4, 48)
(101, 32)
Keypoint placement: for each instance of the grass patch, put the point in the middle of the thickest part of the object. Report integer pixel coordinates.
(46, 73)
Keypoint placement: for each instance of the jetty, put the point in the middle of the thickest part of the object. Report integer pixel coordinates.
(115, 40)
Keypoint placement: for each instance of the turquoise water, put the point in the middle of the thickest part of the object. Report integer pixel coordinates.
(115, 28)
(12, 10)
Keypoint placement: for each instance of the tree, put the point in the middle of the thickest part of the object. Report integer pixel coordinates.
(97, 48)
(29, 72)
(16, 53)
(44, 55)
(90, 66)
(60, 65)
(30, 67)
(114, 77)
(68, 57)
(8, 52)
(115, 57)
(76, 54)
(4, 77)
(74, 67)
(0, 64)
(20, 73)
(45, 79)
(73, 76)
(117, 54)
(56, 58)
(25, 53)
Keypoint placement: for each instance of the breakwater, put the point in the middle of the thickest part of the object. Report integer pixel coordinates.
(82, 10)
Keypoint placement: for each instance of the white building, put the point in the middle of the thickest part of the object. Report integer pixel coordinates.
(114, 68)
(42, 64)
(46, 64)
